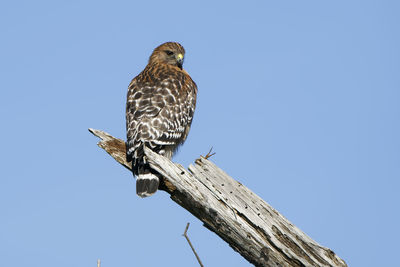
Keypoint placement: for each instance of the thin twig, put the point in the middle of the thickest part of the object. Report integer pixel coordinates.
(191, 246)
(209, 154)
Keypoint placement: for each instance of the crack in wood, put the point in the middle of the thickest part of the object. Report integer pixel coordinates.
(248, 224)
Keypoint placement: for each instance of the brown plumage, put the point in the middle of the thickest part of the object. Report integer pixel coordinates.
(159, 111)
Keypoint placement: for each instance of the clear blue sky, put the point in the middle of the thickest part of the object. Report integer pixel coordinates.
(300, 100)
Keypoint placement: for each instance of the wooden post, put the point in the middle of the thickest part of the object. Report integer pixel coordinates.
(242, 219)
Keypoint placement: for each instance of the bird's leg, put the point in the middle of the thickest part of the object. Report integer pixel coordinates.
(144, 155)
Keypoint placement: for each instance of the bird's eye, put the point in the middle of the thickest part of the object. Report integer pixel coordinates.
(169, 53)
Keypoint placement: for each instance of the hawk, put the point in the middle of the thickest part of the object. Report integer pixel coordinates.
(159, 111)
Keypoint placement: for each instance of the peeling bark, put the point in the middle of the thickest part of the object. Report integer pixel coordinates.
(242, 219)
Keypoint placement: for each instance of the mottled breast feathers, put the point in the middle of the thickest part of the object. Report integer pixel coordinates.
(160, 105)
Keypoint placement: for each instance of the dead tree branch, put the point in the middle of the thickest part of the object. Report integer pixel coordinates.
(242, 219)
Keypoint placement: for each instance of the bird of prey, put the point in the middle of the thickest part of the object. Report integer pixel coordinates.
(159, 111)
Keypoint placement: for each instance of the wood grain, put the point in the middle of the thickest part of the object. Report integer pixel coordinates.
(246, 222)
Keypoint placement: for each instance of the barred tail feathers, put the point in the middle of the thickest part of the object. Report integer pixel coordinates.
(146, 184)
(147, 180)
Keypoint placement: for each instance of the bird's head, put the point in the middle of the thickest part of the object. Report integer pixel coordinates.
(168, 53)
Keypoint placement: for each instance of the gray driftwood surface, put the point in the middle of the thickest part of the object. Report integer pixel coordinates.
(242, 219)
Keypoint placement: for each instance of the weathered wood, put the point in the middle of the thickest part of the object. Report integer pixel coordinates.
(246, 222)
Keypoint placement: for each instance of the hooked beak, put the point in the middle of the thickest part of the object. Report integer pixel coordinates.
(179, 59)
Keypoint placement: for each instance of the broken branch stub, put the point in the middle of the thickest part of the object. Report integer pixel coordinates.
(246, 222)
